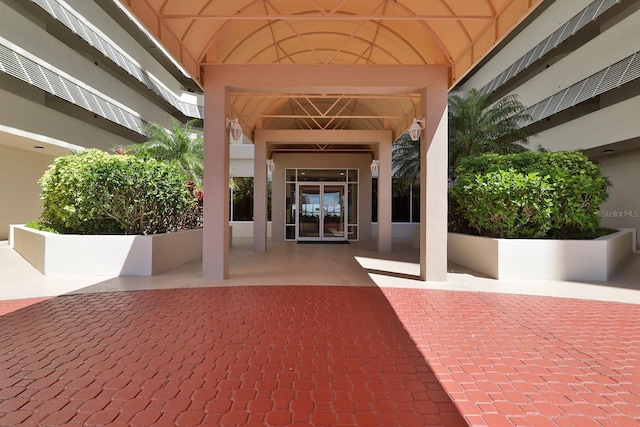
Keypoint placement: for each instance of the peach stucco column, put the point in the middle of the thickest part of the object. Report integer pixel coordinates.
(384, 197)
(215, 246)
(433, 184)
(260, 196)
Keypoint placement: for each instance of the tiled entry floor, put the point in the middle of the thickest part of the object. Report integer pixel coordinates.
(316, 355)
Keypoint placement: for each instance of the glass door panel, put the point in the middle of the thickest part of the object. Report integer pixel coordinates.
(309, 212)
(322, 214)
(333, 212)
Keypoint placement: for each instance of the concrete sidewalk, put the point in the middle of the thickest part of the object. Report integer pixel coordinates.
(285, 263)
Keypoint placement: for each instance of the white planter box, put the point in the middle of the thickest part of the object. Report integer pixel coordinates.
(93, 255)
(538, 259)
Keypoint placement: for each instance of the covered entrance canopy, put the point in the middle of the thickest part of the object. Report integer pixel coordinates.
(328, 65)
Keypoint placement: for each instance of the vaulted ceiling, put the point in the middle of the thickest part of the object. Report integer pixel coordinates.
(455, 33)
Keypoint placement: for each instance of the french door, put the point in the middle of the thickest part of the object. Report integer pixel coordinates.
(322, 214)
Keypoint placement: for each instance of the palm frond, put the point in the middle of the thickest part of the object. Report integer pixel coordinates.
(475, 127)
(180, 145)
(405, 157)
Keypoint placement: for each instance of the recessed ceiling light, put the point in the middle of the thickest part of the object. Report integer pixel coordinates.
(38, 147)
(608, 151)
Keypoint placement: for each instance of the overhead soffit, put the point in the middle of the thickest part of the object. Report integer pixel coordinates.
(454, 33)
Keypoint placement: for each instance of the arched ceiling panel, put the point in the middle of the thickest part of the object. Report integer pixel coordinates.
(434, 31)
(453, 33)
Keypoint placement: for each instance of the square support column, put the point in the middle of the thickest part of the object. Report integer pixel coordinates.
(260, 196)
(215, 246)
(434, 162)
(384, 197)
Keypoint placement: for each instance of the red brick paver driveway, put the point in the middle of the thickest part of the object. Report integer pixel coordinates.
(509, 360)
(319, 356)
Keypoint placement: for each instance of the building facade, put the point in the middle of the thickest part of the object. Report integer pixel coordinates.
(350, 78)
(76, 74)
(576, 66)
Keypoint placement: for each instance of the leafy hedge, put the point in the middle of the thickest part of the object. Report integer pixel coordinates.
(36, 225)
(528, 195)
(93, 192)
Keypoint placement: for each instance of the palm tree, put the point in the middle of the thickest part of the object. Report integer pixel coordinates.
(475, 128)
(181, 145)
(405, 157)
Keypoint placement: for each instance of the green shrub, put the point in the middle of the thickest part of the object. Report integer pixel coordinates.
(554, 195)
(508, 204)
(93, 192)
(37, 225)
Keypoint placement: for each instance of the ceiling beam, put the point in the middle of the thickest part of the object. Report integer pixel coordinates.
(321, 96)
(327, 17)
(328, 116)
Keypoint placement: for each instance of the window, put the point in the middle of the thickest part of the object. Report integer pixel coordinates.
(242, 199)
(241, 208)
(401, 200)
(374, 200)
(405, 200)
(415, 200)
